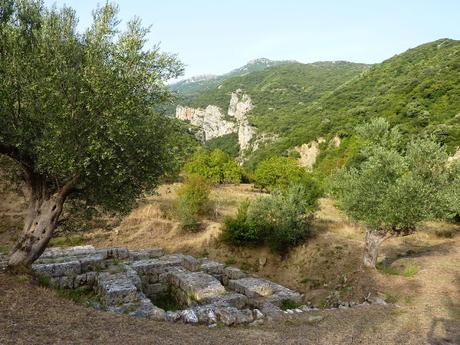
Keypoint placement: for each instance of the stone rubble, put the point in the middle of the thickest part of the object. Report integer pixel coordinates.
(205, 292)
(127, 282)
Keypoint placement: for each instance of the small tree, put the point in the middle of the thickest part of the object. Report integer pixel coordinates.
(77, 113)
(392, 189)
(281, 172)
(192, 202)
(215, 166)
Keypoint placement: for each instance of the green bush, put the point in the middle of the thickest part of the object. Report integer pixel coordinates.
(281, 220)
(280, 172)
(215, 166)
(192, 202)
(241, 230)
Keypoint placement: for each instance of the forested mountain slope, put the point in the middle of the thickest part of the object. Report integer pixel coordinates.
(418, 90)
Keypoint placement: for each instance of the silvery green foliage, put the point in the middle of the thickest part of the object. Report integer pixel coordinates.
(395, 188)
(81, 105)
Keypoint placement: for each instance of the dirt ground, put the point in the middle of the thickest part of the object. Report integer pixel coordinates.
(34, 315)
(421, 280)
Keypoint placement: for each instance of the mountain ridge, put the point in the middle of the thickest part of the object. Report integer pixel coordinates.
(417, 90)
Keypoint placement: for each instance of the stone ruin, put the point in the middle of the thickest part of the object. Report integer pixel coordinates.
(139, 282)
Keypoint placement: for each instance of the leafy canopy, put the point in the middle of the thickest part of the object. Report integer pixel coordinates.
(394, 188)
(280, 220)
(281, 172)
(214, 166)
(82, 105)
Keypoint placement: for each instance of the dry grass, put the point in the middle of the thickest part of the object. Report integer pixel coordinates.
(33, 315)
(329, 262)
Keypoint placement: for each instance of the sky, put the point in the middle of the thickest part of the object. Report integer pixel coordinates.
(214, 37)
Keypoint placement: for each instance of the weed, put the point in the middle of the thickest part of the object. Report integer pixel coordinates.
(79, 295)
(408, 300)
(392, 298)
(22, 278)
(230, 261)
(408, 271)
(67, 241)
(4, 249)
(43, 280)
(289, 304)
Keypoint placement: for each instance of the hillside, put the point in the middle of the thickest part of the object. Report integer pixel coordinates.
(194, 86)
(419, 90)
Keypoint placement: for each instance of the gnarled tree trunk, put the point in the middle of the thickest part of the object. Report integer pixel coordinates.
(41, 220)
(372, 243)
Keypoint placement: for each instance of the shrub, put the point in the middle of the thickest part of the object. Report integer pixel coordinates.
(215, 166)
(280, 172)
(281, 220)
(240, 230)
(192, 201)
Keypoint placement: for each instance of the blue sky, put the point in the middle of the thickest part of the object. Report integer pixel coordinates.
(217, 36)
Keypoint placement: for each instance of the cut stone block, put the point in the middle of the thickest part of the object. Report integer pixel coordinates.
(231, 299)
(190, 263)
(212, 267)
(117, 253)
(69, 268)
(251, 287)
(227, 315)
(63, 282)
(92, 262)
(116, 289)
(233, 273)
(85, 279)
(197, 286)
(79, 250)
(154, 289)
(144, 254)
(155, 266)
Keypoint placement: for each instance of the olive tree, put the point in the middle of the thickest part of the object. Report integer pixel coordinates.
(395, 186)
(77, 112)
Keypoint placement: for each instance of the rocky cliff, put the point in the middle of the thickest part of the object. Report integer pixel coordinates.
(213, 123)
(309, 152)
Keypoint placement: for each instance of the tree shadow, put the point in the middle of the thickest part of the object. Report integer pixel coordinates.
(402, 251)
(446, 331)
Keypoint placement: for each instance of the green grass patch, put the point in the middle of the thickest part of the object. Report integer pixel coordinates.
(79, 295)
(408, 271)
(408, 300)
(4, 249)
(230, 261)
(43, 280)
(67, 241)
(289, 304)
(22, 278)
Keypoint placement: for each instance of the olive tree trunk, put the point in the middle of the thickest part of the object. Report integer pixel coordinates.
(372, 242)
(42, 218)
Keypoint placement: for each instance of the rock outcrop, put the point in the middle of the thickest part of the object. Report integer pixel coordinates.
(210, 120)
(309, 152)
(213, 123)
